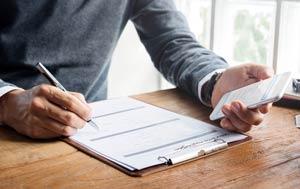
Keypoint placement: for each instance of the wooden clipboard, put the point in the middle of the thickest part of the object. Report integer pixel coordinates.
(149, 170)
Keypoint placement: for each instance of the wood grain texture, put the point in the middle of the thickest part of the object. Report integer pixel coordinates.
(270, 160)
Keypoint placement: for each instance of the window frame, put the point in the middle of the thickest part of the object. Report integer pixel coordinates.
(276, 36)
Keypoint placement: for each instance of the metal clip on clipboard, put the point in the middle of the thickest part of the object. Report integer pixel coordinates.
(194, 150)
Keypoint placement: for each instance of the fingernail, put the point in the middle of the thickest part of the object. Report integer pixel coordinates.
(236, 107)
(225, 123)
(226, 111)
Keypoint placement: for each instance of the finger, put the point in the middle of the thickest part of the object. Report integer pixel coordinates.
(37, 132)
(265, 108)
(33, 130)
(249, 116)
(44, 108)
(236, 122)
(42, 133)
(79, 96)
(66, 100)
(82, 99)
(54, 126)
(226, 124)
(259, 72)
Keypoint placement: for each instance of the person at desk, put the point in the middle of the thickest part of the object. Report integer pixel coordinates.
(75, 41)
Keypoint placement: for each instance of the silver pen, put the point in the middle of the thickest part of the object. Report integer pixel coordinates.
(43, 70)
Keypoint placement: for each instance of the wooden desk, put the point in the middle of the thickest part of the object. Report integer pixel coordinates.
(270, 160)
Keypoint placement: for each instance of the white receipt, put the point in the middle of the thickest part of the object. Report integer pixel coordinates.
(134, 134)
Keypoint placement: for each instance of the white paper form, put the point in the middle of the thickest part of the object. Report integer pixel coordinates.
(134, 134)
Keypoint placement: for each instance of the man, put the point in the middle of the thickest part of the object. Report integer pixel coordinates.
(75, 40)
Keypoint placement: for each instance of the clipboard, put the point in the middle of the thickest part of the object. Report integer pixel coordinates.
(167, 164)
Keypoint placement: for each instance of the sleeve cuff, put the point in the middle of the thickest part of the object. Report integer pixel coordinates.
(203, 81)
(6, 89)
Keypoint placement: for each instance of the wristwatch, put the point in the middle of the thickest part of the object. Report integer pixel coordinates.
(208, 88)
(296, 85)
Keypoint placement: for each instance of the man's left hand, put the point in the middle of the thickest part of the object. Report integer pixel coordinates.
(237, 116)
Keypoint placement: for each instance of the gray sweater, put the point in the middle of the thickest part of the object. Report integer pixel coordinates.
(75, 40)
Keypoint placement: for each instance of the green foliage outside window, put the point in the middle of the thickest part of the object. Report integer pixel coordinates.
(251, 36)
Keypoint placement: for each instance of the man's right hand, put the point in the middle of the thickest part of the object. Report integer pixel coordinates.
(44, 111)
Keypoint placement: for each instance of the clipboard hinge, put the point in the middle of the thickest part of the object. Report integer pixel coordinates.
(217, 145)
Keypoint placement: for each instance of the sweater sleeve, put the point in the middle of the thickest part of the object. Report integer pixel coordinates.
(173, 48)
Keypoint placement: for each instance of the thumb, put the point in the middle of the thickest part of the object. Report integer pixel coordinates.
(259, 72)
